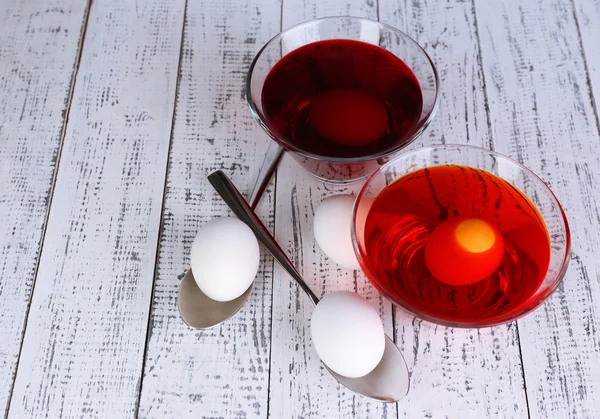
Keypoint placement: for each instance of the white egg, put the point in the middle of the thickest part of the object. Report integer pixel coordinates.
(225, 258)
(332, 223)
(347, 334)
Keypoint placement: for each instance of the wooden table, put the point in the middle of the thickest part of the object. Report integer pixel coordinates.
(112, 113)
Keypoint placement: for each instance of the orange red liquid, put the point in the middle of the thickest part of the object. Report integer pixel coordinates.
(406, 213)
(342, 98)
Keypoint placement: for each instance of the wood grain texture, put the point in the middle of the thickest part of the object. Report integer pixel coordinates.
(300, 385)
(542, 114)
(587, 16)
(455, 372)
(222, 372)
(83, 347)
(38, 54)
(520, 77)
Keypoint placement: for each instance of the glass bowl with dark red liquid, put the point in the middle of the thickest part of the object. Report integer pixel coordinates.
(342, 94)
(460, 236)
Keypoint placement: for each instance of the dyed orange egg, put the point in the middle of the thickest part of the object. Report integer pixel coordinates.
(348, 116)
(462, 251)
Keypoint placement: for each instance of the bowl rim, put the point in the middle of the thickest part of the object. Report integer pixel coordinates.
(290, 146)
(462, 324)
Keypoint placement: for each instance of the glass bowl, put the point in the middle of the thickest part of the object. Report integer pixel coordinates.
(327, 168)
(548, 208)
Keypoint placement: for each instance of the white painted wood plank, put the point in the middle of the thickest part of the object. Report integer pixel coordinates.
(587, 17)
(84, 342)
(38, 54)
(222, 372)
(542, 114)
(300, 386)
(455, 372)
(447, 31)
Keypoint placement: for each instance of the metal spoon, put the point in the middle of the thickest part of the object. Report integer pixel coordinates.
(389, 381)
(195, 308)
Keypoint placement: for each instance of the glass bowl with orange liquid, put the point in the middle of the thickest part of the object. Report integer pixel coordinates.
(460, 236)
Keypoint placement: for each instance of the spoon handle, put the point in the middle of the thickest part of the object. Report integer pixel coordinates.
(242, 210)
(274, 154)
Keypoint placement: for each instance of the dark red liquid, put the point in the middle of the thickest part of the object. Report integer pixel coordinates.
(406, 212)
(342, 98)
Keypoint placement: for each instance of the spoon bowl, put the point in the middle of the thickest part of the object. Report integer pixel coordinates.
(200, 312)
(381, 384)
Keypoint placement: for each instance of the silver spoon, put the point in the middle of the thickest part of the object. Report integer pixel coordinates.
(195, 308)
(389, 381)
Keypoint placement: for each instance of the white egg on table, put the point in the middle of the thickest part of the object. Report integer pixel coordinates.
(225, 258)
(347, 334)
(332, 223)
